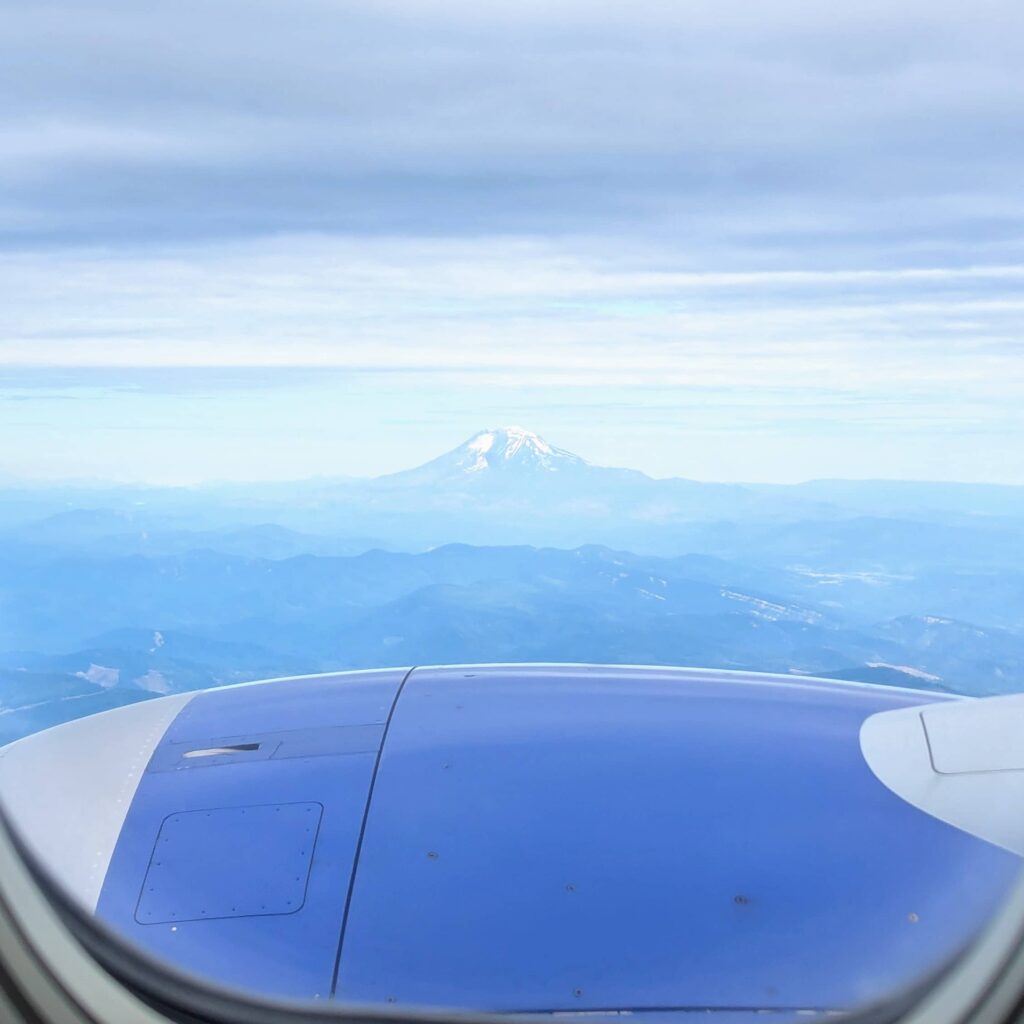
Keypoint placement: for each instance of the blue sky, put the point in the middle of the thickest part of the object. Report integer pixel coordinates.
(244, 240)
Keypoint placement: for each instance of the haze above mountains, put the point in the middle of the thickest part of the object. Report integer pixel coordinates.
(506, 548)
(502, 485)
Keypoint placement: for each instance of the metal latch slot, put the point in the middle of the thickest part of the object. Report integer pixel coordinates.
(233, 748)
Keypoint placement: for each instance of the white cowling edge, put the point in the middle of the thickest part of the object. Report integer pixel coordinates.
(959, 761)
(67, 790)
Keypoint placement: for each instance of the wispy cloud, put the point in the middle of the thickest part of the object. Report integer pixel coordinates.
(875, 130)
(526, 306)
(719, 221)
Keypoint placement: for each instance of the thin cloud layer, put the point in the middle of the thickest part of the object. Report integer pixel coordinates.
(779, 222)
(750, 133)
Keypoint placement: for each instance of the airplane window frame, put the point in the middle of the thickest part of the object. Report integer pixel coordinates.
(58, 966)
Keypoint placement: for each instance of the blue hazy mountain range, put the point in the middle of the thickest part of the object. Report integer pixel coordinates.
(504, 486)
(506, 548)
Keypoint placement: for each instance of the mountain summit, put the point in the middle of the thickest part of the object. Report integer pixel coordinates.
(505, 454)
(507, 448)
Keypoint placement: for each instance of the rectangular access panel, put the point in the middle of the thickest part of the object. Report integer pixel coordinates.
(230, 862)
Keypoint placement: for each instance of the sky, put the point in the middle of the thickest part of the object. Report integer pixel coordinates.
(247, 240)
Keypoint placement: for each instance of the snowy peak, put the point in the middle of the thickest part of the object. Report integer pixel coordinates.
(506, 460)
(512, 448)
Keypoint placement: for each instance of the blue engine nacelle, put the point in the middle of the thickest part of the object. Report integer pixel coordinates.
(521, 838)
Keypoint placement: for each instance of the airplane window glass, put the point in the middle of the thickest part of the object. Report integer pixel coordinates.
(517, 506)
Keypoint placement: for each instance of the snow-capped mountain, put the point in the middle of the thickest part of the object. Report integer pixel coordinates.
(511, 448)
(501, 455)
(510, 485)
(509, 480)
